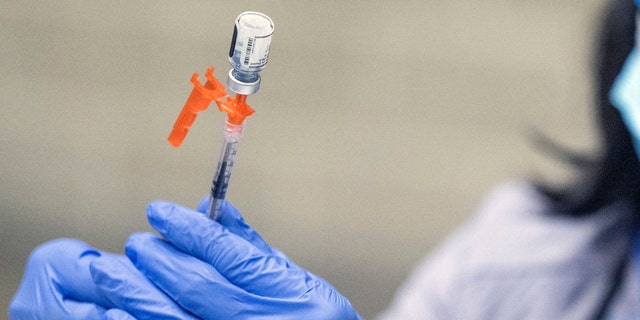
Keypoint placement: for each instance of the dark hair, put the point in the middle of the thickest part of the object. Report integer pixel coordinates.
(613, 174)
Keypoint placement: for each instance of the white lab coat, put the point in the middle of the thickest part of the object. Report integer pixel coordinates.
(517, 260)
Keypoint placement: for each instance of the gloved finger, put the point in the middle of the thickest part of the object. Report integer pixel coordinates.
(234, 257)
(203, 206)
(206, 293)
(231, 218)
(194, 284)
(57, 284)
(117, 314)
(127, 288)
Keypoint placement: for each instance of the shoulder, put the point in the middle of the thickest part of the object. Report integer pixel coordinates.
(540, 262)
(515, 256)
(517, 228)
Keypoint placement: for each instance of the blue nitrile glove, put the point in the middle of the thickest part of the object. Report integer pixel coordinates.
(126, 288)
(57, 284)
(224, 270)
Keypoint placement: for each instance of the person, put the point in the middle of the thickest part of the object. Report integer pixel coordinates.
(531, 251)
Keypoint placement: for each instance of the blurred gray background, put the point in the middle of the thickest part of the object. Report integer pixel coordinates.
(379, 125)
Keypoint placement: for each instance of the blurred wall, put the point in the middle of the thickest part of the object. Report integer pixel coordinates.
(379, 125)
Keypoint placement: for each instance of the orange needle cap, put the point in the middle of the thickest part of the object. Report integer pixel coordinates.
(199, 100)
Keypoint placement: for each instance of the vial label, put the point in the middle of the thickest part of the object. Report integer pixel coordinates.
(251, 40)
(255, 52)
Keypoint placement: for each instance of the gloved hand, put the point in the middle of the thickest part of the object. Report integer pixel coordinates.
(224, 270)
(58, 284)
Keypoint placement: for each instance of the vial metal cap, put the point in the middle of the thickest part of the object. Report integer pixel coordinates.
(242, 87)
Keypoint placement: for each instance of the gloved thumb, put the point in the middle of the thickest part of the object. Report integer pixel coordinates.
(232, 219)
(203, 206)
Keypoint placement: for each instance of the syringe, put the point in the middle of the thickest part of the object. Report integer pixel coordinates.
(248, 56)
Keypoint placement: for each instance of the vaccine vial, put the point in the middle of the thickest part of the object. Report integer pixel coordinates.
(249, 51)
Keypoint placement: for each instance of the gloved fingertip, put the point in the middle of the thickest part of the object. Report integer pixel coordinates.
(203, 206)
(136, 242)
(133, 243)
(157, 214)
(167, 218)
(159, 206)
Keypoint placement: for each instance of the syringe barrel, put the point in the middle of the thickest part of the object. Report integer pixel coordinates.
(232, 134)
(249, 52)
